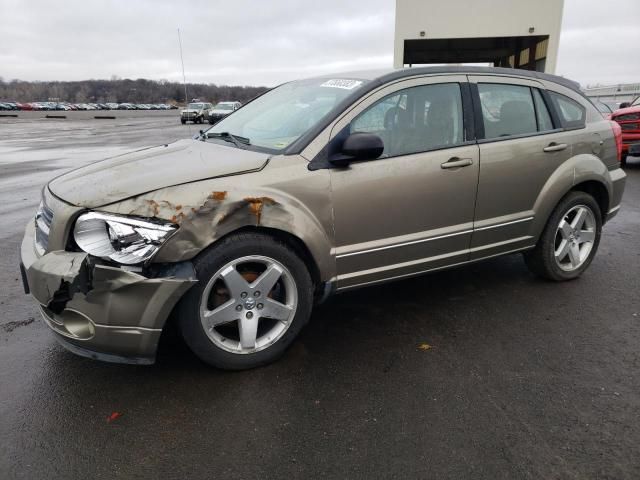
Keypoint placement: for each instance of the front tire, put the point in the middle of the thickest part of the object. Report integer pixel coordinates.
(183, 121)
(570, 239)
(253, 297)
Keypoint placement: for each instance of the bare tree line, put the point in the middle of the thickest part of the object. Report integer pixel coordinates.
(122, 90)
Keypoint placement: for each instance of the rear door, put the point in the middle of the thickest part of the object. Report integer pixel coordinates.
(521, 145)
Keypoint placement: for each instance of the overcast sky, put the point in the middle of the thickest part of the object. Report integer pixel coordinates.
(264, 42)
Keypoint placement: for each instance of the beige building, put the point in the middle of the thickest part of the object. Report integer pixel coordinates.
(505, 33)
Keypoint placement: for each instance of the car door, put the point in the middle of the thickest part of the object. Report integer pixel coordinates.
(412, 209)
(521, 145)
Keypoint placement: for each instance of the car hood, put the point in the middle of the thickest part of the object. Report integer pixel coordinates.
(220, 112)
(190, 110)
(625, 111)
(125, 176)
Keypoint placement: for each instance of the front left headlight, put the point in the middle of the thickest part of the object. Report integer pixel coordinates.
(124, 240)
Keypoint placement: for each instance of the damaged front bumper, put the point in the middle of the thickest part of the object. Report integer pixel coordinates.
(101, 311)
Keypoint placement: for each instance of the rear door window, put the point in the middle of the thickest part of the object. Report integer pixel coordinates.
(507, 110)
(572, 114)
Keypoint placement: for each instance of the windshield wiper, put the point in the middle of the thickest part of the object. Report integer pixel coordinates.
(235, 139)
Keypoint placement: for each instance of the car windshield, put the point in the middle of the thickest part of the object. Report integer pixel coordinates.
(276, 119)
(636, 102)
(224, 106)
(195, 106)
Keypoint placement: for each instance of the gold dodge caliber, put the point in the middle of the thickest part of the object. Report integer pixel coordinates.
(320, 186)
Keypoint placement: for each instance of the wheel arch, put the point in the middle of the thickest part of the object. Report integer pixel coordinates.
(598, 191)
(582, 172)
(288, 238)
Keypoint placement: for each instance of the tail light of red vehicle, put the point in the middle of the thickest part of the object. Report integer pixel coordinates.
(617, 133)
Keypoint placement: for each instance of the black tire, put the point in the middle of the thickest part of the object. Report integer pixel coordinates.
(541, 260)
(211, 122)
(623, 161)
(183, 121)
(207, 264)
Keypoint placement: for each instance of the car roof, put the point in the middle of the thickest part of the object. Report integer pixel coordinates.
(382, 76)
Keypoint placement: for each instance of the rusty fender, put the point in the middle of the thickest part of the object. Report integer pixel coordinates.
(206, 214)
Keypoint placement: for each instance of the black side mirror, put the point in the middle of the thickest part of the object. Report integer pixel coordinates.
(359, 146)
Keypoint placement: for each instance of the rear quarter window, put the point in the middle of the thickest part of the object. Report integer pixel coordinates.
(571, 113)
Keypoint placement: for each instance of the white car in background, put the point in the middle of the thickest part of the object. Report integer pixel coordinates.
(221, 110)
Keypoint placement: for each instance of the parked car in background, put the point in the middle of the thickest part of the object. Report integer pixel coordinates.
(195, 112)
(65, 106)
(9, 106)
(221, 110)
(629, 120)
(290, 199)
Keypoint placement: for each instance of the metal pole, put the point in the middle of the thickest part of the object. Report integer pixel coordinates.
(184, 78)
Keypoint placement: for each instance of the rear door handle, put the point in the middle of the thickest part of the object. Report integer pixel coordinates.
(456, 162)
(555, 147)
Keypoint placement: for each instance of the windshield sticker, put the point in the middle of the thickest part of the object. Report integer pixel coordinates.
(342, 83)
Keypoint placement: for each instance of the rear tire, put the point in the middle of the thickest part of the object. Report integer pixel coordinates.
(217, 315)
(623, 161)
(570, 239)
(182, 121)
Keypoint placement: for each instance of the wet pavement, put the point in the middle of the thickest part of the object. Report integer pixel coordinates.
(478, 372)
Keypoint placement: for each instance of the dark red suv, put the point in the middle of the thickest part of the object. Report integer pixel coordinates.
(629, 120)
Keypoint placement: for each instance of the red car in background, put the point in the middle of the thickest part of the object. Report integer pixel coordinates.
(629, 120)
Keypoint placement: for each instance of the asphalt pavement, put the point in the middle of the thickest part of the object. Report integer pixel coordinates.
(482, 372)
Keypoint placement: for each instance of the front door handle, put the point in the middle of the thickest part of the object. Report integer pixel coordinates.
(555, 147)
(456, 162)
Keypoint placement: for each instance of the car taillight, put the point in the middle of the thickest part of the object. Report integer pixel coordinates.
(617, 134)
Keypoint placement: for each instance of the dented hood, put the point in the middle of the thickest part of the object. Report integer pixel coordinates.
(118, 178)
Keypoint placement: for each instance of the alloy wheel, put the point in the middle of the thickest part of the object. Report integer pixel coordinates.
(248, 304)
(575, 237)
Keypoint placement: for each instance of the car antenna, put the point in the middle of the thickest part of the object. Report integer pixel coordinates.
(184, 78)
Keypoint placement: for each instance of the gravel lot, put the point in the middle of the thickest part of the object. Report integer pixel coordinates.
(517, 378)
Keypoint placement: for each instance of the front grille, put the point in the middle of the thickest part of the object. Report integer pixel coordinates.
(44, 217)
(630, 126)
